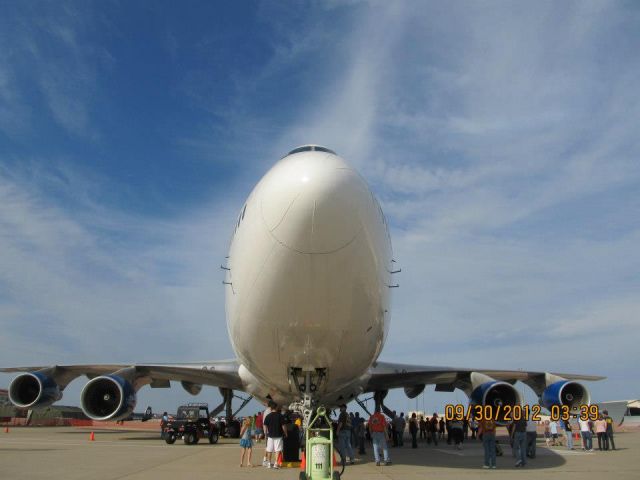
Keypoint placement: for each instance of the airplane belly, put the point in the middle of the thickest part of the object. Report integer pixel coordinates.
(313, 311)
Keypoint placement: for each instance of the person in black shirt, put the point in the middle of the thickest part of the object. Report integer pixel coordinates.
(520, 441)
(274, 426)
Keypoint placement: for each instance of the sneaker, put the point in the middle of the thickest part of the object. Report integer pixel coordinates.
(265, 463)
(377, 464)
(493, 466)
(387, 463)
(269, 466)
(486, 466)
(518, 463)
(276, 466)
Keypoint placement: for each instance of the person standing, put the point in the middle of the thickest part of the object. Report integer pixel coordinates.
(433, 430)
(456, 433)
(344, 436)
(441, 428)
(423, 428)
(394, 432)
(553, 428)
(378, 427)
(532, 435)
(413, 430)
(400, 428)
(359, 431)
(245, 442)
(487, 432)
(270, 406)
(259, 428)
(609, 421)
(274, 427)
(568, 434)
(585, 431)
(163, 423)
(473, 426)
(601, 432)
(520, 441)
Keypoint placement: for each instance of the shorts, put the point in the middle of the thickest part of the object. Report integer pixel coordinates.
(554, 435)
(274, 444)
(259, 432)
(246, 443)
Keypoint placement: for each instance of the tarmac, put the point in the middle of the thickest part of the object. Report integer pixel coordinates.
(32, 453)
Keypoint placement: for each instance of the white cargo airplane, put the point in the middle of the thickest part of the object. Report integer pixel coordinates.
(308, 282)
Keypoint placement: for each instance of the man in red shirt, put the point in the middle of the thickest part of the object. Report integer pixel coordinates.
(259, 427)
(378, 428)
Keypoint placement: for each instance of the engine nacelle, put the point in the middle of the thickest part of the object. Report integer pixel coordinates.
(413, 392)
(34, 390)
(108, 397)
(565, 392)
(496, 394)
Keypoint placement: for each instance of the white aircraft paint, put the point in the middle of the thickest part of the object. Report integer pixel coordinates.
(309, 277)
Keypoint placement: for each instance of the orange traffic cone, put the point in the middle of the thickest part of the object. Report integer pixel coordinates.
(279, 461)
(576, 436)
(303, 462)
(92, 437)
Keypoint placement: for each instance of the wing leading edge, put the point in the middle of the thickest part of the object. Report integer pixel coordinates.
(222, 374)
(385, 376)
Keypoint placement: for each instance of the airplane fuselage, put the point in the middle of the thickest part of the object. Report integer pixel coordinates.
(308, 282)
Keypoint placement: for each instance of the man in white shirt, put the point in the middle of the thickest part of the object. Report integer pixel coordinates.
(553, 429)
(585, 431)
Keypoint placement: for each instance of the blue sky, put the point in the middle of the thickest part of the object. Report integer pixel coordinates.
(501, 139)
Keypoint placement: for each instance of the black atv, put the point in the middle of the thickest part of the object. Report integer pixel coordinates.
(191, 423)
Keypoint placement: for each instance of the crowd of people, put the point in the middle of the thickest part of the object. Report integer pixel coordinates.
(382, 432)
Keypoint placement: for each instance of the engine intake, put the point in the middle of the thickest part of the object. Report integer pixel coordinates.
(496, 394)
(565, 392)
(34, 390)
(108, 397)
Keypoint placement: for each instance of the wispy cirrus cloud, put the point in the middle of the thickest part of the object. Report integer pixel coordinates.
(49, 59)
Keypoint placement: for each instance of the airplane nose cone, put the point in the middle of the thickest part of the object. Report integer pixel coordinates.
(313, 202)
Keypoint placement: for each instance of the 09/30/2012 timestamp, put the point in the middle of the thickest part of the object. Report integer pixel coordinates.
(509, 413)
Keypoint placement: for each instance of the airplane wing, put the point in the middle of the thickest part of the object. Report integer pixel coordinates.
(111, 390)
(413, 378)
(219, 373)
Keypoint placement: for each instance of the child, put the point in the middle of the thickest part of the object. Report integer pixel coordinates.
(547, 433)
(245, 441)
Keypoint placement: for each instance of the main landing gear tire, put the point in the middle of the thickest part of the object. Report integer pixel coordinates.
(213, 438)
(190, 438)
(170, 438)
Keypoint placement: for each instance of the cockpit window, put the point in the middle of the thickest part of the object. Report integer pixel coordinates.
(311, 148)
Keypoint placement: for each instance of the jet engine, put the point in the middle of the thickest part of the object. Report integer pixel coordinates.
(413, 392)
(565, 392)
(108, 397)
(33, 390)
(496, 394)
